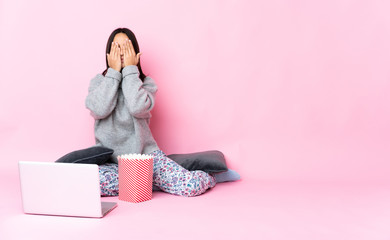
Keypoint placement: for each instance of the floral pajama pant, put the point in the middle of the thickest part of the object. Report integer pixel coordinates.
(167, 175)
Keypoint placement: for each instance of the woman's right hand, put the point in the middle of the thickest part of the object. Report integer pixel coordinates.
(114, 57)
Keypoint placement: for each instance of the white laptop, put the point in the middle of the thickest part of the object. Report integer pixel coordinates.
(62, 189)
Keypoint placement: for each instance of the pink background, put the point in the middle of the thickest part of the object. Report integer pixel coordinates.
(294, 93)
(288, 90)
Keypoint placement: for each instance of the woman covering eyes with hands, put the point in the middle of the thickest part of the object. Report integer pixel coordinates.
(121, 56)
(120, 100)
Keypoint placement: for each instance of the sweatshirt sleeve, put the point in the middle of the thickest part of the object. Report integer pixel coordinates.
(139, 96)
(103, 94)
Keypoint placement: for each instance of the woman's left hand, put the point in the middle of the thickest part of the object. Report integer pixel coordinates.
(129, 56)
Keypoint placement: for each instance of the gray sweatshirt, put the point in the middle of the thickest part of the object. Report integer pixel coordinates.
(121, 105)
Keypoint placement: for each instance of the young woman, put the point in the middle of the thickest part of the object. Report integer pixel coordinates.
(120, 100)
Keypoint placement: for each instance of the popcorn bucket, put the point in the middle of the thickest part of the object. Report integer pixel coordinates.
(135, 177)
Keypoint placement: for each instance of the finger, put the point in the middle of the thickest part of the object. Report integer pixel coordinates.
(113, 50)
(112, 47)
(109, 60)
(128, 48)
(117, 51)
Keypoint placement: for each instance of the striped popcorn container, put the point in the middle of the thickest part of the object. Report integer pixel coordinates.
(135, 177)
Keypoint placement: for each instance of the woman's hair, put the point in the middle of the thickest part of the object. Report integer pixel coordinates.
(131, 36)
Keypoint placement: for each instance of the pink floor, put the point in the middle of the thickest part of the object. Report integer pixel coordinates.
(247, 209)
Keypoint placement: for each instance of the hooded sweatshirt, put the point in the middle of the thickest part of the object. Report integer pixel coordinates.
(120, 104)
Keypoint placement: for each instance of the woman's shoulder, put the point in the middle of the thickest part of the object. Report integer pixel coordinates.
(148, 78)
(98, 76)
(107, 73)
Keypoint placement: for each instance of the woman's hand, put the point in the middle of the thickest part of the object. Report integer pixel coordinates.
(114, 57)
(129, 55)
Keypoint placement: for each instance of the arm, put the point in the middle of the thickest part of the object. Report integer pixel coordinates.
(139, 96)
(103, 94)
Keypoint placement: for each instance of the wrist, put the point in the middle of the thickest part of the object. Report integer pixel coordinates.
(112, 73)
(129, 70)
(116, 69)
(129, 64)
